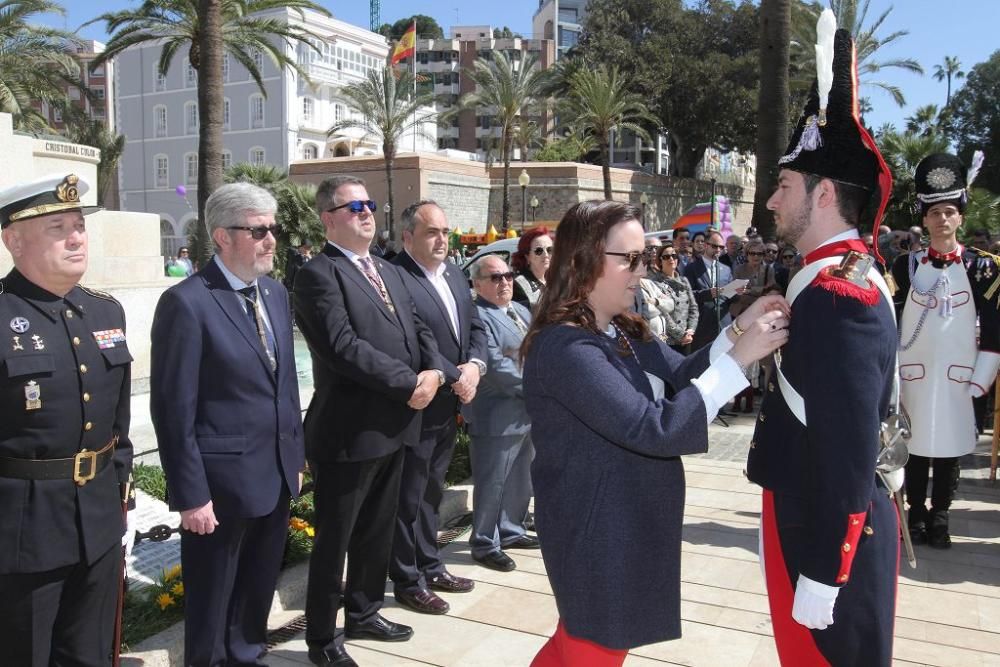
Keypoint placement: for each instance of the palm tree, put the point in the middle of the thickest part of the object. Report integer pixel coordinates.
(772, 105)
(853, 16)
(506, 87)
(902, 152)
(207, 29)
(924, 121)
(34, 63)
(527, 135)
(266, 176)
(950, 69)
(600, 101)
(83, 130)
(385, 108)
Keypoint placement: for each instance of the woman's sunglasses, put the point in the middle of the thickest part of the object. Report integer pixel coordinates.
(542, 250)
(635, 257)
(668, 255)
(258, 233)
(755, 253)
(355, 206)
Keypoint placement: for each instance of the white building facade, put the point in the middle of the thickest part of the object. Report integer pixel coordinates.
(159, 117)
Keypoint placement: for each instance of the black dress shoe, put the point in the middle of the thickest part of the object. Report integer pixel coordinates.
(380, 629)
(496, 560)
(529, 522)
(918, 532)
(331, 656)
(938, 538)
(523, 542)
(422, 601)
(449, 583)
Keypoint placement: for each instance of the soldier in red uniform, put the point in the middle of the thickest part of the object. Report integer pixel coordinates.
(830, 534)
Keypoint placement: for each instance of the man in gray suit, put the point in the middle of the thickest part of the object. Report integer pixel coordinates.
(498, 423)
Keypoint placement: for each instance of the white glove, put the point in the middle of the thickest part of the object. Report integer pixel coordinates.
(813, 606)
(894, 479)
(128, 539)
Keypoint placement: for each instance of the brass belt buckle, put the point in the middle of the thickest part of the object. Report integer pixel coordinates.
(90, 457)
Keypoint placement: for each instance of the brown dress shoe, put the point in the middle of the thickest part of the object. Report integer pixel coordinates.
(449, 583)
(423, 601)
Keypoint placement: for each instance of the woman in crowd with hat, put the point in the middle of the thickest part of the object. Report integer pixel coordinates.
(612, 409)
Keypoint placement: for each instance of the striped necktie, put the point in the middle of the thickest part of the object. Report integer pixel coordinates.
(257, 318)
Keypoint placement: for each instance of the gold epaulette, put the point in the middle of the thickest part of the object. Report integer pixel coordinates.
(99, 294)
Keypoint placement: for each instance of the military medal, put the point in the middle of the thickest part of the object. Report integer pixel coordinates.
(32, 396)
(19, 325)
(17, 343)
(108, 338)
(39, 343)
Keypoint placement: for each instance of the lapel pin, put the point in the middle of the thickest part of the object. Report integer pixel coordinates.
(39, 343)
(19, 325)
(17, 343)
(32, 396)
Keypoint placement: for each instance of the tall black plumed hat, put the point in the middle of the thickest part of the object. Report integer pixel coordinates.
(942, 177)
(830, 140)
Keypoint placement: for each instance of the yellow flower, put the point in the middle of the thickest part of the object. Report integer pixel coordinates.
(172, 573)
(164, 600)
(310, 531)
(295, 523)
(178, 589)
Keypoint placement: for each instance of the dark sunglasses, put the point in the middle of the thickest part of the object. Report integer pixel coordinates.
(669, 255)
(355, 206)
(717, 246)
(755, 253)
(634, 258)
(541, 250)
(788, 257)
(258, 233)
(497, 278)
(771, 252)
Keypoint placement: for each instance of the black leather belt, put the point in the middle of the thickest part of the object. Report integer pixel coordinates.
(81, 468)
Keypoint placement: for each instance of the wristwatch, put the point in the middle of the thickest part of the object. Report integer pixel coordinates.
(480, 365)
(440, 374)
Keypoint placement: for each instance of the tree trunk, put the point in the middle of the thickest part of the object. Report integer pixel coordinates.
(772, 106)
(209, 49)
(507, 145)
(389, 152)
(606, 167)
(685, 158)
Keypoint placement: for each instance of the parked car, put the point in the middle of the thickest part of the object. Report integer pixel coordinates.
(662, 234)
(504, 247)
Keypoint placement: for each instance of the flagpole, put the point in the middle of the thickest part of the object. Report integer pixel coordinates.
(414, 85)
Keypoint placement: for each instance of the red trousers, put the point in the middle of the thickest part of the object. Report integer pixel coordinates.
(563, 650)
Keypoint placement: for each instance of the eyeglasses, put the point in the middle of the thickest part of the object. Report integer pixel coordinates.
(669, 255)
(771, 252)
(717, 246)
(355, 206)
(788, 257)
(542, 250)
(258, 233)
(755, 253)
(634, 257)
(497, 278)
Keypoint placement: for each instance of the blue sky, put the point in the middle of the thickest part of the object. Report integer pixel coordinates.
(963, 28)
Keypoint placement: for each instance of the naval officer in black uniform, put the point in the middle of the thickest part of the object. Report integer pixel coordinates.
(830, 534)
(65, 455)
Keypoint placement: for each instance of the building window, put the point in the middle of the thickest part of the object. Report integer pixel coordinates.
(227, 160)
(97, 112)
(160, 121)
(308, 105)
(161, 79)
(98, 92)
(258, 59)
(338, 113)
(191, 118)
(191, 169)
(225, 114)
(309, 152)
(57, 114)
(190, 75)
(256, 111)
(257, 157)
(225, 67)
(97, 71)
(161, 175)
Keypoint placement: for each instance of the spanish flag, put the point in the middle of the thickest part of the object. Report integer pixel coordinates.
(407, 44)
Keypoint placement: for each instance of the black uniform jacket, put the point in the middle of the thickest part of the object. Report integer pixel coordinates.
(70, 351)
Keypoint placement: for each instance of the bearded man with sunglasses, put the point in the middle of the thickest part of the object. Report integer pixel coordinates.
(498, 423)
(225, 406)
(376, 365)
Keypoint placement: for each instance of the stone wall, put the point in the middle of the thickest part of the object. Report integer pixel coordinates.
(472, 197)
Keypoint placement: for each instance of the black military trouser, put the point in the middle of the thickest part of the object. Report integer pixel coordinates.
(61, 617)
(944, 486)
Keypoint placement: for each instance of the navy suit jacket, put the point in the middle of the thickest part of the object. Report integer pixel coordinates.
(228, 428)
(365, 359)
(455, 350)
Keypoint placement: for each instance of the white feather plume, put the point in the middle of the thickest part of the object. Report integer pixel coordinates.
(977, 163)
(826, 27)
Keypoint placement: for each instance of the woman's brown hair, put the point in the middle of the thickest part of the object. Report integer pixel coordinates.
(577, 263)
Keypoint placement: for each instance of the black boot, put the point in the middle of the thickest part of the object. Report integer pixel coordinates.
(937, 530)
(916, 521)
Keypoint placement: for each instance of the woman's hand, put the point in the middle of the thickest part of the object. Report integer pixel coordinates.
(763, 305)
(761, 337)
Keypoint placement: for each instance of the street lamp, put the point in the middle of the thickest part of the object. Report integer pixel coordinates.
(524, 179)
(534, 205)
(387, 208)
(643, 199)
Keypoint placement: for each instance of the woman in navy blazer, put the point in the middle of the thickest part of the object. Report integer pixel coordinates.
(612, 409)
